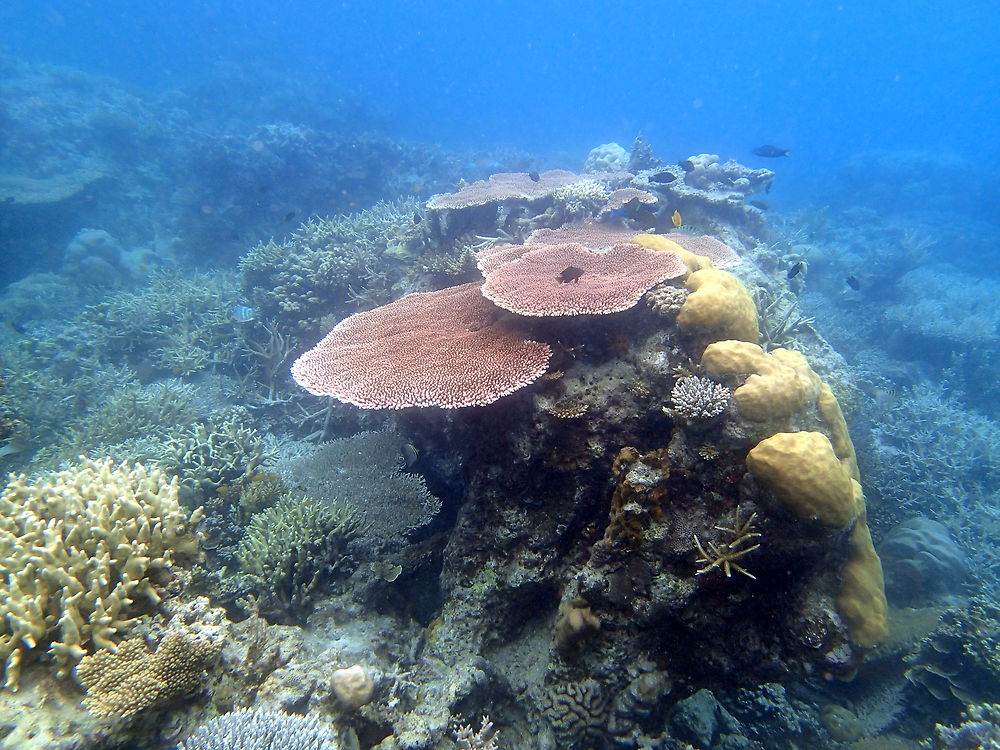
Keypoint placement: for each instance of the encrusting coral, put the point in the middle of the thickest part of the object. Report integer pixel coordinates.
(77, 548)
(123, 682)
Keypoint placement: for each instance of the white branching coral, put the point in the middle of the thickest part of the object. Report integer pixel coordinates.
(695, 398)
(484, 738)
(583, 196)
(76, 551)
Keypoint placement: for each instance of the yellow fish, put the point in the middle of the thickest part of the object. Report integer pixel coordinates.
(676, 219)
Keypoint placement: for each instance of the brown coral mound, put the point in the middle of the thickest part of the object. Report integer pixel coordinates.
(445, 348)
(572, 280)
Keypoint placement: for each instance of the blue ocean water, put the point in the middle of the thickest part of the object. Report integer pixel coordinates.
(826, 80)
(158, 162)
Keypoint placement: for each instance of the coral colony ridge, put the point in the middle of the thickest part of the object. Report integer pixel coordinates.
(603, 458)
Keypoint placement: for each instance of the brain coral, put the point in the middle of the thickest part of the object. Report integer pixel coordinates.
(76, 550)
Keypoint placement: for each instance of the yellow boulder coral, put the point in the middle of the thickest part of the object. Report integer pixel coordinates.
(780, 382)
(802, 470)
(719, 307)
(829, 409)
(76, 548)
(862, 590)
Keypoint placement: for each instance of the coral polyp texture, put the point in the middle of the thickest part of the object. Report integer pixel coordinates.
(78, 549)
(555, 280)
(258, 729)
(505, 186)
(446, 348)
(130, 679)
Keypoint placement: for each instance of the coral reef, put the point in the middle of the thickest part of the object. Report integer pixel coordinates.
(710, 194)
(130, 679)
(697, 400)
(443, 348)
(365, 473)
(601, 283)
(608, 157)
(353, 686)
(225, 451)
(330, 266)
(979, 730)
(258, 729)
(80, 548)
(960, 660)
(922, 563)
(179, 323)
(294, 549)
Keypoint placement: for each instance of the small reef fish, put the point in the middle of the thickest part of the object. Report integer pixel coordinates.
(242, 314)
(686, 164)
(852, 281)
(759, 204)
(571, 273)
(796, 269)
(769, 151)
(290, 215)
(663, 178)
(12, 447)
(410, 454)
(417, 218)
(676, 219)
(534, 176)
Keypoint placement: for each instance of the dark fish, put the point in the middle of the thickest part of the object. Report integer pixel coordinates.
(852, 281)
(759, 204)
(535, 177)
(417, 218)
(571, 273)
(686, 164)
(663, 177)
(290, 215)
(771, 152)
(796, 269)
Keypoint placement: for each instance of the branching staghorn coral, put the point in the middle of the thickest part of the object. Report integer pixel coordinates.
(484, 738)
(295, 548)
(222, 451)
(180, 322)
(780, 319)
(329, 265)
(724, 555)
(129, 414)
